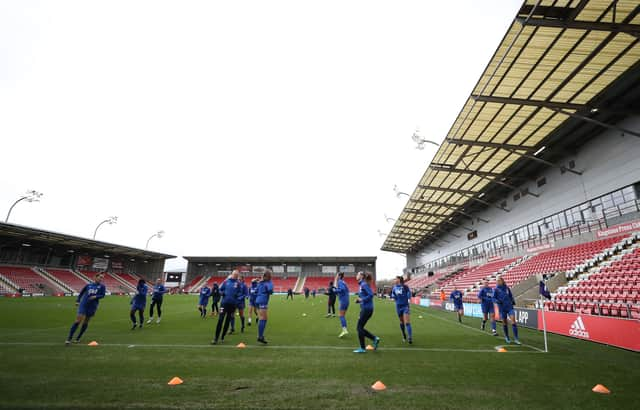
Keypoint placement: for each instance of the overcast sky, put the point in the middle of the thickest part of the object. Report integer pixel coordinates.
(260, 128)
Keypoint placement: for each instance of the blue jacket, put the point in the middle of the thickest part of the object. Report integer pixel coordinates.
(366, 296)
(231, 291)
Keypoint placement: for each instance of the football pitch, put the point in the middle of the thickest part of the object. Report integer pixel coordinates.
(305, 365)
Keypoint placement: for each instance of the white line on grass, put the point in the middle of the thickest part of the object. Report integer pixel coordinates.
(471, 328)
(269, 347)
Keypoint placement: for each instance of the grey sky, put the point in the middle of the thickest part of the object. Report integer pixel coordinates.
(240, 128)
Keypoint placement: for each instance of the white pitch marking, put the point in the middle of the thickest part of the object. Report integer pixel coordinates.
(285, 347)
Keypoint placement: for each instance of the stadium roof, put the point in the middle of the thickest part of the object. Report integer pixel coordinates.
(249, 260)
(564, 71)
(18, 234)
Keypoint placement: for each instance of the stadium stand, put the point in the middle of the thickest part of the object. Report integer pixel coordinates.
(112, 284)
(317, 282)
(281, 284)
(612, 288)
(70, 279)
(28, 280)
(557, 260)
(193, 283)
(130, 279)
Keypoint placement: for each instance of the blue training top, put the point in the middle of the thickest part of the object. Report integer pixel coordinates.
(503, 297)
(456, 297)
(343, 291)
(244, 292)
(205, 292)
(91, 289)
(158, 292)
(366, 296)
(253, 292)
(265, 289)
(486, 295)
(140, 299)
(401, 294)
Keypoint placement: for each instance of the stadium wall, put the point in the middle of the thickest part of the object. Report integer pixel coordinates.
(608, 162)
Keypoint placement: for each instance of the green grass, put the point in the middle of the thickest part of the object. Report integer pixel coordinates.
(304, 366)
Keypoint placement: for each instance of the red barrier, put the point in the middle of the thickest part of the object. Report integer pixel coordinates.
(623, 333)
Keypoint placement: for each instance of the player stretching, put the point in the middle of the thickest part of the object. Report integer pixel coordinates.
(230, 290)
(138, 303)
(365, 299)
(87, 303)
(265, 289)
(486, 303)
(402, 295)
(156, 300)
(343, 297)
(244, 293)
(205, 292)
(456, 297)
(253, 293)
(504, 298)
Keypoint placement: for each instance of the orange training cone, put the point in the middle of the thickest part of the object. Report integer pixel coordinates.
(369, 347)
(502, 350)
(378, 386)
(94, 343)
(598, 388)
(175, 381)
(241, 345)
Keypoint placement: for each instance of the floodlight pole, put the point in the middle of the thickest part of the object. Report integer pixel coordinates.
(32, 196)
(158, 234)
(14, 204)
(111, 220)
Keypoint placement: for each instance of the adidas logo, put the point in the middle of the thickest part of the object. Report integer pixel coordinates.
(578, 330)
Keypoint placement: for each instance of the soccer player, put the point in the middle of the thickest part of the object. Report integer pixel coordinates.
(504, 299)
(365, 299)
(402, 296)
(244, 293)
(87, 303)
(265, 290)
(313, 293)
(343, 297)
(253, 293)
(290, 293)
(486, 303)
(138, 303)
(306, 292)
(456, 297)
(205, 292)
(156, 300)
(230, 290)
(331, 303)
(215, 299)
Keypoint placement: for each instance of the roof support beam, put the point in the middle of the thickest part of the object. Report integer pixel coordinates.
(631, 29)
(535, 103)
(492, 177)
(555, 106)
(468, 194)
(600, 123)
(454, 208)
(513, 150)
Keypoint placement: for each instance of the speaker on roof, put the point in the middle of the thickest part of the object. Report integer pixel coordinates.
(430, 273)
